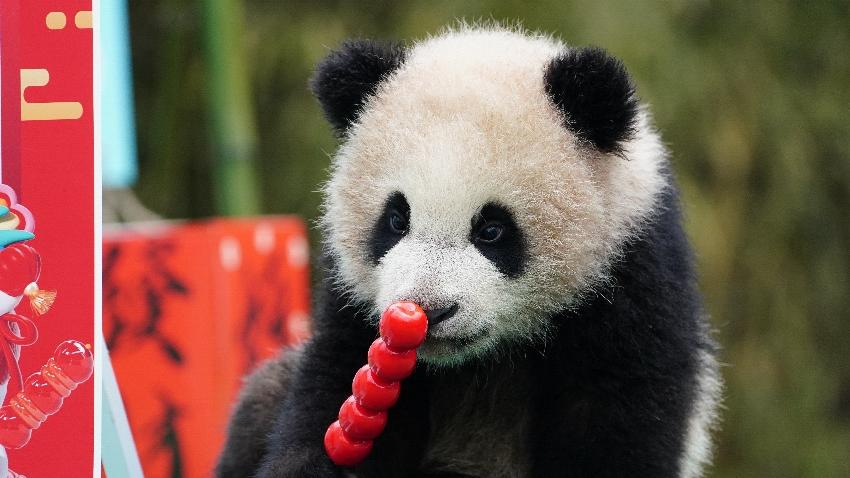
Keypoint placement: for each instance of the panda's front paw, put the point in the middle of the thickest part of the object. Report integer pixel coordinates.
(300, 464)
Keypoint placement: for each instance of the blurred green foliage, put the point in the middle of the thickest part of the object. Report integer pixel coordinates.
(752, 98)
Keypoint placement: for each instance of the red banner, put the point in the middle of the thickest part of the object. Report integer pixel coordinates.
(47, 159)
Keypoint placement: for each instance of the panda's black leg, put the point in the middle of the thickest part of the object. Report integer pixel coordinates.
(399, 450)
(322, 381)
(608, 437)
(254, 415)
(607, 413)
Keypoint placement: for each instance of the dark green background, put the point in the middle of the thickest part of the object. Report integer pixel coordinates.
(751, 97)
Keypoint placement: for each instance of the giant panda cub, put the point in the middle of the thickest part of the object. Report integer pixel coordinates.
(513, 186)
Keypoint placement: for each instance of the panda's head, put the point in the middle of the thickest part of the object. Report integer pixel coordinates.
(490, 175)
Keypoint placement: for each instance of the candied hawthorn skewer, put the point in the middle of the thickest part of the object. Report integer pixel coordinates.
(44, 393)
(377, 385)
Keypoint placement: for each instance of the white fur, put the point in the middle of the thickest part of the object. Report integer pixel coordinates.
(466, 120)
(698, 446)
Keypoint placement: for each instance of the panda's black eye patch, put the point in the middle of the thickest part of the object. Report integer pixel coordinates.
(497, 237)
(391, 226)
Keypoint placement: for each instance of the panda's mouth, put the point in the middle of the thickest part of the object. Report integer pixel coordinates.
(458, 340)
(438, 339)
(451, 349)
(440, 314)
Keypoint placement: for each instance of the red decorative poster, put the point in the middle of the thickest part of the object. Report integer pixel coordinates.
(188, 310)
(47, 239)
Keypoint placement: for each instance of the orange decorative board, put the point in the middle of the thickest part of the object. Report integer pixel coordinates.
(188, 310)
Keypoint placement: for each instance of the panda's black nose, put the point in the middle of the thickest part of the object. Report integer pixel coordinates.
(435, 316)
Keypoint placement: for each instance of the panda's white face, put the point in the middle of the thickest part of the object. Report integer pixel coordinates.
(459, 188)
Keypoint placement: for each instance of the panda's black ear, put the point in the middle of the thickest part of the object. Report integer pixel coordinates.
(596, 96)
(346, 78)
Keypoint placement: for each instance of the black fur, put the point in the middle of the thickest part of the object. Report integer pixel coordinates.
(610, 394)
(259, 407)
(383, 237)
(596, 95)
(347, 77)
(509, 252)
(619, 379)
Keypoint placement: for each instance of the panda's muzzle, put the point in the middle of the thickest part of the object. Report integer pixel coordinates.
(435, 316)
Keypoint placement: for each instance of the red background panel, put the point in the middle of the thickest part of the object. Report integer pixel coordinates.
(51, 166)
(188, 310)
